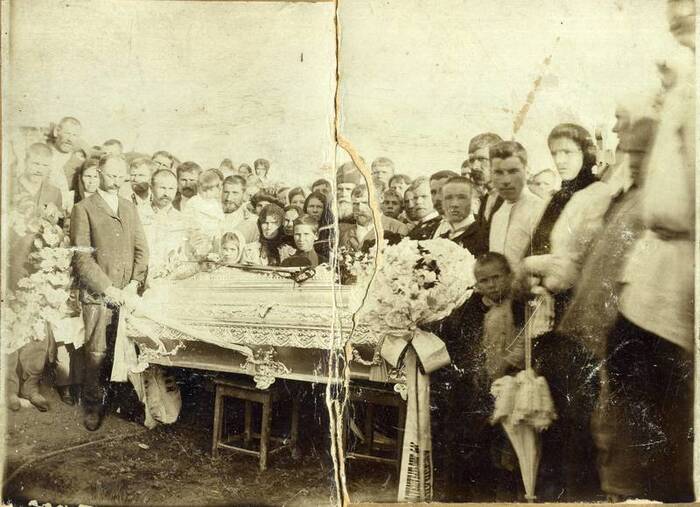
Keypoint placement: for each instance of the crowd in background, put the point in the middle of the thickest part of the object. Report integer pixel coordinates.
(612, 245)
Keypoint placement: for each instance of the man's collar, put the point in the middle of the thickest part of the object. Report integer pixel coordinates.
(462, 225)
(430, 216)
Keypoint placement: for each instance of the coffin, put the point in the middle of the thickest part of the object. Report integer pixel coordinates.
(261, 323)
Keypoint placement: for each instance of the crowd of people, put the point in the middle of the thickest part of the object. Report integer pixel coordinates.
(610, 246)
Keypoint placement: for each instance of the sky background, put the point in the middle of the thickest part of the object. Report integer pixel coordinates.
(204, 80)
(208, 80)
(419, 79)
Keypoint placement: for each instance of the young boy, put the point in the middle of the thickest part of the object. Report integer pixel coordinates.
(392, 204)
(482, 339)
(305, 235)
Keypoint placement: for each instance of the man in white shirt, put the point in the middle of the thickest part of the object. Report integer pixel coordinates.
(138, 189)
(237, 216)
(512, 224)
(166, 231)
(64, 165)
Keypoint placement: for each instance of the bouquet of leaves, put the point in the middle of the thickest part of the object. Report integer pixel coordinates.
(42, 296)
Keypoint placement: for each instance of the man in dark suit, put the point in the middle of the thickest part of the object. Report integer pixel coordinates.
(111, 260)
(427, 219)
(458, 223)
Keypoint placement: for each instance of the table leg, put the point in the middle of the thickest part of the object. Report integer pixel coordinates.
(265, 432)
(218, 420)
(248, 422)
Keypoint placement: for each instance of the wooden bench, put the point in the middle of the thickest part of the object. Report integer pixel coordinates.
(372, 397)
(246, 391)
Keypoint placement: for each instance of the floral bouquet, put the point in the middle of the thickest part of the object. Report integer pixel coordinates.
(412, 284)
(41, 297)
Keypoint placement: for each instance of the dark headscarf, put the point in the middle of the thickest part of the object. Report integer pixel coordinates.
(541, 238)
(271, 246)
(326, 225)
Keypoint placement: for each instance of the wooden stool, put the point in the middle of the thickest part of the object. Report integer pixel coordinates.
(371, 397)
(242, 390)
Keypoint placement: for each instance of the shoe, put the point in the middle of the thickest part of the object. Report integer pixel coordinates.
(66, 396)
(39, 402)
(13, 403)
(92, 419)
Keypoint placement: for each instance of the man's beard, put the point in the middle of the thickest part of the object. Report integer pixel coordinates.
(140, 189)
(344, 210)
(163, 202)
(230, 207)
(188, 192)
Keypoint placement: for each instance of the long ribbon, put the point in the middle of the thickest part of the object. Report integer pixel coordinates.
(421, 353)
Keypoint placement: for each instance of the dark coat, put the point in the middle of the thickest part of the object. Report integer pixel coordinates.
(425, 230)
(112, 248)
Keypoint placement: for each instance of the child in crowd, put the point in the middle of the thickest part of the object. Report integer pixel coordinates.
(305, 235)
(392, 204)
(473, 460)
(231, 248)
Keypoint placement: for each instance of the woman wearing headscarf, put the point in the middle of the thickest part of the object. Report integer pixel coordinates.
(571, 221)
(87, 180)
(318, 206)
(271, 249)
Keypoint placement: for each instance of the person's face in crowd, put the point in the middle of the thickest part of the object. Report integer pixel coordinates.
(304, 237)
(66, 136)
(423, 202)
(261, 171)
(259, 207)
(409, 203)
(288, 225)
(681, 21)
(315, 208)
(567, 156)
(298, 200)
(492, 281)
(480, 166)
(91, 179)
(187, 184)
(543, 185)
(230, 251)
(436, 193)
(361, 211)
(37, 167)
(111, 149)
(399, 186)
(163, 162)
(112, 175)
(391, 206)
(270, 226)
(508, 177)
(232, 197)
(245, 171)
(212, 193)
(140, 176)
(382, 173)
(164, 190)
(323, 189)
(456, 201)
(345, 192)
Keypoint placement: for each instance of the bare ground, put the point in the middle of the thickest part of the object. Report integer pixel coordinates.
(170, 465)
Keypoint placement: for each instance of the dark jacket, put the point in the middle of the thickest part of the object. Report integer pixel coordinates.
(112, 249)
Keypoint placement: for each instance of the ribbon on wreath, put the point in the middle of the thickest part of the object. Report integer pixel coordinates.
(422, 353)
